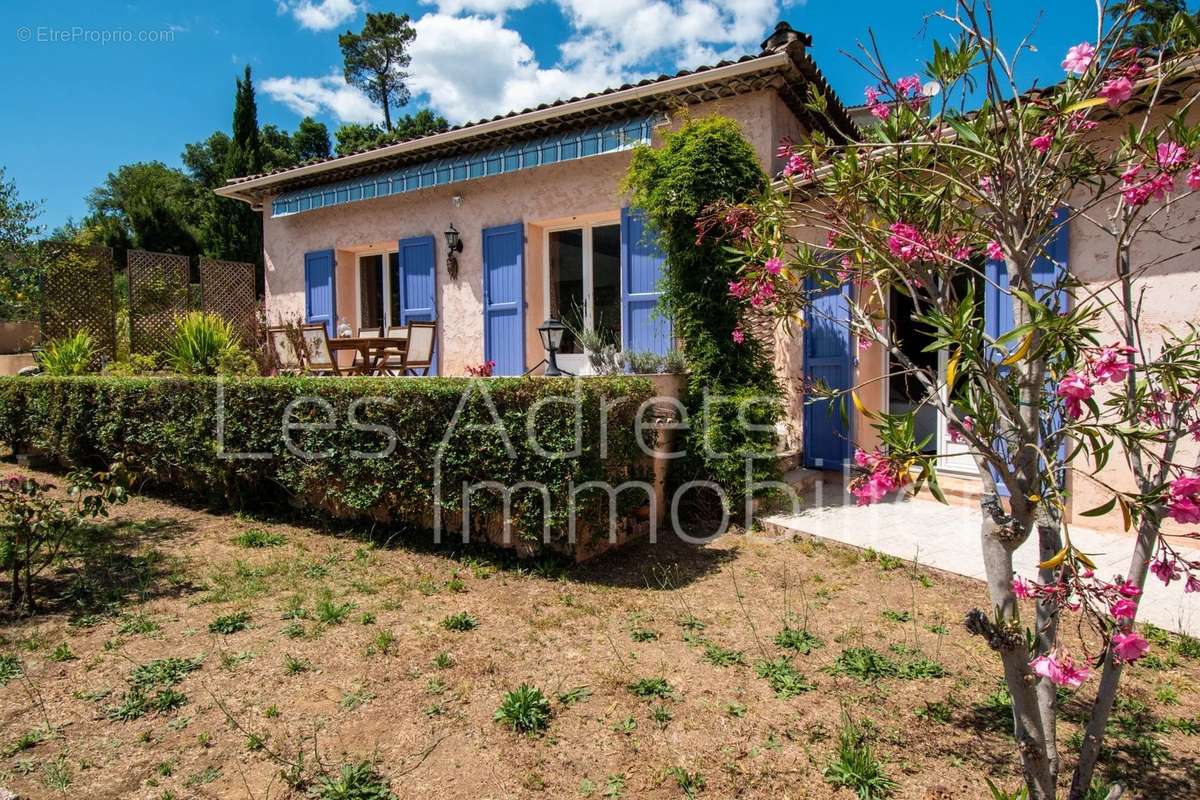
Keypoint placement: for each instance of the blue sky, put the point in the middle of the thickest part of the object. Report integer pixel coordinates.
(77, 107)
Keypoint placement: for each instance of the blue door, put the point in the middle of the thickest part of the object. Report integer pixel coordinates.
(1048, 272)
(504, 298)
(417, 285)
(320, 289)
(643, 328)
(828, 362)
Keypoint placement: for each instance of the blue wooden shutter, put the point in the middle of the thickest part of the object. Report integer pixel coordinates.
(504, 298)
(644, 327)
(829, 361)
(320, 289)
(417, 285)
(1048, 272)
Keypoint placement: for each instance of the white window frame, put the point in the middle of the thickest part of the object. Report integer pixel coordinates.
(577, 362)
(386, 253)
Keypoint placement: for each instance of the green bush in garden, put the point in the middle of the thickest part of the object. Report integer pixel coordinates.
(166, 429)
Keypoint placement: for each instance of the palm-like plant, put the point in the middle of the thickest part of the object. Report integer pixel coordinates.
(200, 344)
(72, 355)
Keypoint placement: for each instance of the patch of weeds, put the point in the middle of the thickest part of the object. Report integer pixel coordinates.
(10, 668)
(206, 775)
(329, 612)
(1167, 695)
(133, 624)
(524, 710)
(614, 785)
(230, 623)
(436, 686)
(232, 661)
(856, 767)
(382, 644)
(940, 630)
(294, 629)
(865, 664)
(736, 710)
(456, 584)
(24, 742)
(887, 563)
(934, 711)
(1188, 646)
(255, 742)
(917, 666)
(924, 580)
(443, 661)
(85, 620)
(783, 678)
(434, 710)
(722, 657)
(163, 672)
(461, 622)
(271, 711)
(573, 696)
(165, 769)
(691, 623)
(800, 640)
(625, 726)
(652, 687)
(896, 616)
(316, 571)
(661, 716)
(367, 618)
(690, 783)
(256, 537)
(294, 666)
(57, 775)
(167, 700)
(356, 699)
(62, 653)
(643, 635)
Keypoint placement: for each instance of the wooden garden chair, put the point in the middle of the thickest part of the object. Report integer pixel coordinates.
(319, 358)
(284, 356)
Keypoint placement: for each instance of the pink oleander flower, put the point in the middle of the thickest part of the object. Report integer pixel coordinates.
(1123, 609)
(986, 183)
(773, 265)
(1129, 646)
(994, 251)
(763, 295)
(910, 84)
(1193, 177)
(1171, 154)
(907, 243)
(738, 335)
(881, 111)
(1079, 58)
(739, 289)
(1022, 588)
(956, 431)
(1192, 584)
(1128, 589)
(1113, 363)
(872, 95)
(1183, 500)
(1042, 143)
(1060, 672)
(1074, 389)
(1117, 91)
(784, 150)
(1166, 571)
(1160, 186)
(798, 165)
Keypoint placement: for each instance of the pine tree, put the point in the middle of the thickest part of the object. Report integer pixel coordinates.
(239, 229)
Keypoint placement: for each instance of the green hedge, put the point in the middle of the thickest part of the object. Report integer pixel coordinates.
(165, 430)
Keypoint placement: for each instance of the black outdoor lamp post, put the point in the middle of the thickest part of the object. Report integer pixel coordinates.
(453, 245)
(552, 332)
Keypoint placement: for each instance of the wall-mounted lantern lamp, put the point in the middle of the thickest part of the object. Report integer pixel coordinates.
(453, 246)
(552, 332)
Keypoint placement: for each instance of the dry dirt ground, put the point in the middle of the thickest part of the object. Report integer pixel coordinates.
(337, 653)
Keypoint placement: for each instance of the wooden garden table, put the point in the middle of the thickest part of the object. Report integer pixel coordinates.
(373, 351)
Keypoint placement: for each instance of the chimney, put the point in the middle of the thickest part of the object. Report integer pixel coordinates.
(783, 35)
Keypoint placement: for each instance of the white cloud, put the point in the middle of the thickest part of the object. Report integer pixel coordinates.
(320, 15)
(331, 94)
(467, 64)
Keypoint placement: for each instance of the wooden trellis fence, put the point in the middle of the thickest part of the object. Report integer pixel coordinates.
(227, 289)
(77, 294)
(158, 293)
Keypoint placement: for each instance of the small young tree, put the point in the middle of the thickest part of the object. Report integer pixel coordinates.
(946, 205)
(376, 58)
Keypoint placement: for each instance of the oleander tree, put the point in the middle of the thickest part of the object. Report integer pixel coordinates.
(959, 197)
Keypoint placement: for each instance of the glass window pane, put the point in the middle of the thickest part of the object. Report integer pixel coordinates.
(371, 287)
(566, 283)
(394, 273)
(606, 282)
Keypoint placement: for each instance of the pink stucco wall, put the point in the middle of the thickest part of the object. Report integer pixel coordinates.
(585, 189)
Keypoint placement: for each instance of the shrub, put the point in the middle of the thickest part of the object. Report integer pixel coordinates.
(72, 355)
(524, 709)
(205, 344)
(164, 429)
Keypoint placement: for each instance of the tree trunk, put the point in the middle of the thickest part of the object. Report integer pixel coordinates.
(1001, 534)
(1049, 542)
(1106, 694)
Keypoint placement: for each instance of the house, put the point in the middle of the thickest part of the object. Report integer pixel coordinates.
(534, 199)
